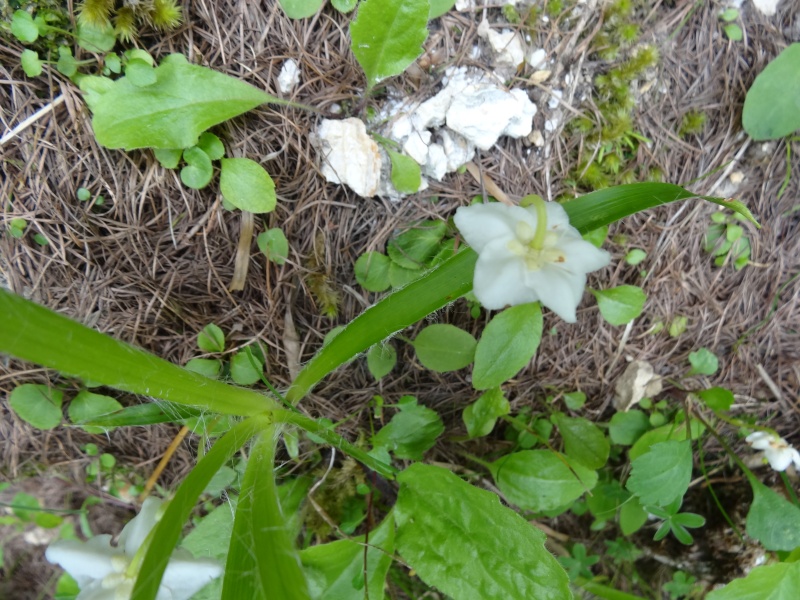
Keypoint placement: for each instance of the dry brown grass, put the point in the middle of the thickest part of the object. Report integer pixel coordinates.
(153, 265)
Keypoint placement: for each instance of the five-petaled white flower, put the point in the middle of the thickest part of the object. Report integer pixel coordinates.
(103, 571)
(779, 453)
(528, 254)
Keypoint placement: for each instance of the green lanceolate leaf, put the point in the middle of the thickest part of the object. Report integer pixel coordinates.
(387, 36)
(184, 101)
(443, 348)
(541, 480)
(772, 105)
(168, 529)
(34, 333)
(245, 184)
(143, 414)
(770, 582)
(483, 549)
(662, 474)
(263, 563)
(507, 344)
(772, 519)
(583, 440)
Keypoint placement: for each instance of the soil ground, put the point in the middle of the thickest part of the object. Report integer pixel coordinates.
(153, 265)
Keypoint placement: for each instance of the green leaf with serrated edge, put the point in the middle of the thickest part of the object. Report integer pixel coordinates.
(87, 406)
(481, 416)
(772, 519)
(198, 170)
(443, 348)
(36, 334)
(662, 474)
(372, 271)
(31, 63)
(716, 398)
(440, 7)
(168, 157)
(262, 560)
(38, 405)
(172, 113)
(627, 427)
(207, 367)
(632, 516)
(167, 531)
(411, 432)
(770, 582)
(211, 339)
(387, 36)
(245, 184)
(771, 108)
(335, 571)
(671, 431)
(274, 245)
(620, 305)
(704, 362)
(412, 249)
(583, 440)
(507, 345)
(211, 145)
(144, 414)
(406, 174)
(472, 533)
(453, 278)
(541, 480)
(300, 9)
(381, 359)
(23, 28)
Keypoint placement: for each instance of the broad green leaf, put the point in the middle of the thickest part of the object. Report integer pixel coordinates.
(716, 398)
(372, 271)
(335, 571)
(381, 359)
(246, 367)
(169, 158)
(172, 113)
(627, 427)
(541, 480)
(440, 7)
(621, 304)
(211, 339)
(387, 36)
(168, 529)
(772, 105)
(38, 405)
(198, 170)
(768, 582)
(245, 184)
(704, 362)
(262, 560)
(96, 38)
(87, 406)
(204, 542)
(662, 474)
(33, 333)
(406, 177)
(207, 367)
(507, 345)
(300, 9)
(671, 431)
(211, 145)
(444, 348)
(411, 432)
(453, 278)
(483, 549)
(583, 440)
(140, 73)
(481, 415)
(274, 245)
(412, 249)
(31, 63)
(772, 519)
(23, 28)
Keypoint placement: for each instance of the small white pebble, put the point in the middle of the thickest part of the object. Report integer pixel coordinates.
(737, 177)
(555, 99)
(289, 76)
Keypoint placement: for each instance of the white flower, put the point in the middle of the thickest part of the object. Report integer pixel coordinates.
(524, 260)
(102, 570)
(780, 454)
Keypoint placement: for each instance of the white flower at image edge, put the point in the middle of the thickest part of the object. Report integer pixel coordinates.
(515, 266)
(779, 453)
(101, 569)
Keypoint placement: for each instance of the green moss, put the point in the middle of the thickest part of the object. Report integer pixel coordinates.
(511, 14)
(692, 123)
(554, 7)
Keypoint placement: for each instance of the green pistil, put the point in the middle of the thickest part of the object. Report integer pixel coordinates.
(537, 243)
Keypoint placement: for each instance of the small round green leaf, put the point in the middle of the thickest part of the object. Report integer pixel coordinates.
(621, 304)
(381, 359)
(37, 405)
(444, 348)
(211, 339)
(344, 6)
(140, 73)
(406, 175)
(733, 32)
(198, 171)
(87, 406)
(211, 145)
(411, 432)
(23, 27)
(704, 362)
(481, 416)
(66, 65)
(627, 427)
(95, 38)
(274, 245)
(207, 367)
(635, 256)
(246, 367)
(440, 7)
(400, 276)
(168, 157)
(245, 184)
(372, 271)
(300, 9)
(31, 63)
(716, 398)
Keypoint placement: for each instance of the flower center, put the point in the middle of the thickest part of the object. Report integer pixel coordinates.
(537, 247)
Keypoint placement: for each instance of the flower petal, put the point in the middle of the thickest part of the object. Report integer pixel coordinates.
(84, 561)
(559, 290)
(185, 576)
(557, 218)
(760, 440)
(582, 257)
(136, 531)
(500, 278)
(779, 459)
(481, 224)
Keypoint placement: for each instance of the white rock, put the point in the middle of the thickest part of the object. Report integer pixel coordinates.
(482, 113)
(289, 76)
(550, 125)
(348, 155)
(508, 47)
(553, 102)
(463, 5)
(767, 7)
(458, 150)
(537, 58)
(436, 166)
